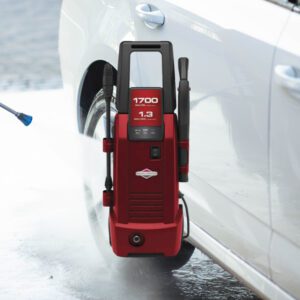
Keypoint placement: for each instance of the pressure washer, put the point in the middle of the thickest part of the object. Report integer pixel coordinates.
(150, 147)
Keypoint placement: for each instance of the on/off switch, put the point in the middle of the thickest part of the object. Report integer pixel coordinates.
(155, 152)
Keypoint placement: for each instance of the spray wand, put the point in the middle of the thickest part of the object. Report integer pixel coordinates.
(108, 142)
(25, 119)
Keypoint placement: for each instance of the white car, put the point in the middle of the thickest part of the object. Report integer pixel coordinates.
(244, 189)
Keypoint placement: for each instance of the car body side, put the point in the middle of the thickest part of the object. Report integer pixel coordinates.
(90, 34)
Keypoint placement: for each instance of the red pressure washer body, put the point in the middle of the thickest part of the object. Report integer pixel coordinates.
(145, 215)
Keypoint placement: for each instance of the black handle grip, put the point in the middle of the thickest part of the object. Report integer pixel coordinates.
(183, 66)
(183, 100)
(183, 119)
(145, 46)
(108, 81)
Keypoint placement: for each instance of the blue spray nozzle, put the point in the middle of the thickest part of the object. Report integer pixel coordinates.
(25, 119)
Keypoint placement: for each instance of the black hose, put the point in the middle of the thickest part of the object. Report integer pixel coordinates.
(181, 196)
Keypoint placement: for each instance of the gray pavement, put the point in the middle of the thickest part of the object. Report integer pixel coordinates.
(55, 259)
(28, 44)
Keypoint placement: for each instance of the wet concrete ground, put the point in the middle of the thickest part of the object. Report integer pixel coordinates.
(47, 250)
(28, 44)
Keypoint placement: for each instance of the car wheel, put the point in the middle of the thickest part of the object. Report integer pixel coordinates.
(98, 216)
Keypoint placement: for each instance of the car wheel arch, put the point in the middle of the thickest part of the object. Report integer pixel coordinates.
(91, 84)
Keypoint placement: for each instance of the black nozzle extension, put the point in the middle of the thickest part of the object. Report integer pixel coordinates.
(108, 183)
(183, 65)
(108, 81)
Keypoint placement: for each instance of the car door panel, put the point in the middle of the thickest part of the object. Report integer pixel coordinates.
(285, 160)
(230, 46)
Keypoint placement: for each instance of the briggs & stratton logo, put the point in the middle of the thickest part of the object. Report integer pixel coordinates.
(146, 173)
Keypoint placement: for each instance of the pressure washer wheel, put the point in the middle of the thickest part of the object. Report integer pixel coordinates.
(95, 127)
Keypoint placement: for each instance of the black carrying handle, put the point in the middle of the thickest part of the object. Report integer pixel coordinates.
(169, 91)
